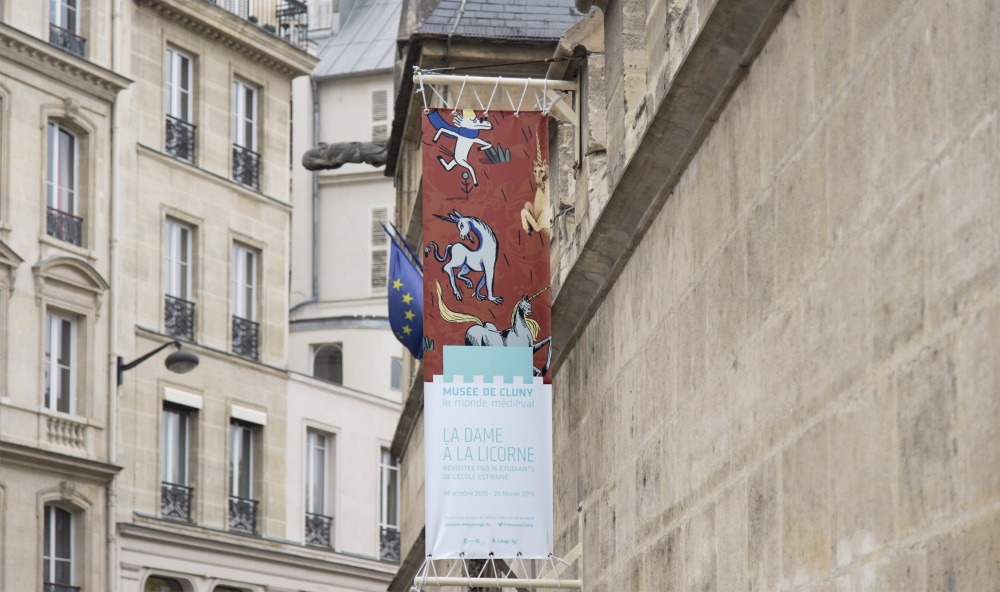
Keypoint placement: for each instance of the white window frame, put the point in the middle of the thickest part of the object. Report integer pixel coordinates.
(236, 445)
(244, 115)
(49, 559)
(58, 189)
(55, 334)
(244, 282)
(57, 18)
(379, 127)
(396, 371)
(177, 264)
(179, 99)
(317, 460)
(176, 424)
(378, 248)
(387, 465)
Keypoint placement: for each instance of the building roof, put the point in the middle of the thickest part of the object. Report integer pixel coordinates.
(507, 19)
(366, 42)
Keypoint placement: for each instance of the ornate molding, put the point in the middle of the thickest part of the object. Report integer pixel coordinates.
(219, 25)
(48, 60)
(9, 260)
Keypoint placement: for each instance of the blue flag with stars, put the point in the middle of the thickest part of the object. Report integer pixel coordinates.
(406, 300)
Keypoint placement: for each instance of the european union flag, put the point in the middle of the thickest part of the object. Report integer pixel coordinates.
(406, 300)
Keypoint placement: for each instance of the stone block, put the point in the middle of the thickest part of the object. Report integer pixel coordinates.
(972, 32)
(760, 246)
(691, 341)
(699, 550)
(904, 571)
(863, 462)
(726, 307)
(806, 506)
(764, 527)
(666, 567)
(966, 558)
(731, 538)
(977, 368)
(649, 488)
(926, 399)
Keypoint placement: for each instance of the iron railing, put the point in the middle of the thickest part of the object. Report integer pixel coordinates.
(50, 587)
(245, 338)
(65, 226)
(388, 544)
(180, 138)
(319, 530)
(243, 514)
(178, 317)
(246, 166)
(67, 40)
(293, 22)
(175, 501)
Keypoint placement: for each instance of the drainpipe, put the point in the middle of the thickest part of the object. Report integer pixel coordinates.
(113, 281)
(315, 194)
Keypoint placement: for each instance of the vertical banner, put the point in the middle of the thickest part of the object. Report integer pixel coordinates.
(487, 349)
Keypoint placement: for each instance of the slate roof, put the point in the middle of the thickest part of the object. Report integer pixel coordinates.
(507, 19)
(366, 42)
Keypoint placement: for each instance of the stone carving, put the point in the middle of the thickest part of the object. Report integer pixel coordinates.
(334, 156)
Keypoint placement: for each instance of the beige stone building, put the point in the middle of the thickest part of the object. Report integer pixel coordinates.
(777, 307)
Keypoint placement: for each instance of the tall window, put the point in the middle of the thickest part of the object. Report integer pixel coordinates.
(175, 501)
(178, 305)
(246, 160)
(328, 363)
(389, 516)
(396, 374)
(318, 521)
(380, 115)
(64, 26)
(242, 505)
(379, 249)
(57, 555)
(61, 180)
(180, 131)
(244, 300)
(60, 363)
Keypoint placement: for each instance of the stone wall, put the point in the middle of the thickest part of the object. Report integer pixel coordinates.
(791, 384)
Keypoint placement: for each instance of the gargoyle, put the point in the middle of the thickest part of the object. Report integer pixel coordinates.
(334, 156)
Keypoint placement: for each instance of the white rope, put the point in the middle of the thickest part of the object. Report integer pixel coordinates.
(466, 567)
(517, 113)
(443, 100)
(555, 572)
(458, 101)
(478, 100)
(520, 559)
(549, 107)
(490, 102)
(423, 95)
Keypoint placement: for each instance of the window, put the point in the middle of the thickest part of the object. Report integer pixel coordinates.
(57, 555)
(380, 115)
(396, 374)
(175, 500)
(64, 26)
(379, 249)
(60, 363)
(328, 363)
(158, 584)
(318, 521)
(178, 307)
(244, 301)
(242, 505)
(389, 516)
(61, 182)
(246, 161)
(180, 131)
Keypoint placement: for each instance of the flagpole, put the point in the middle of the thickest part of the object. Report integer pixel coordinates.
(399, 236)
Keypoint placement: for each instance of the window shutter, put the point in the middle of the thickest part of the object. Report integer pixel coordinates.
(380, 252)
(380, 115)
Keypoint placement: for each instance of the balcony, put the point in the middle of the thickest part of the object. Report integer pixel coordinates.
(175, 501)
(388, 544)
(246, 166)
(66, 40)
(245, 338)
(243, 515)
(65, 227)
(50, 587)
(318, 530)
(180, 139)
(288, 19)
(178, 317)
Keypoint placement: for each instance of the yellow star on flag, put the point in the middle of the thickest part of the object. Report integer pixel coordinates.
(407, 330)
(407, 298)
(410, 315)
(396, 284)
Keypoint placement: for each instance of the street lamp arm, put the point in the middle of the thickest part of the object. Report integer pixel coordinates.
(180, 361)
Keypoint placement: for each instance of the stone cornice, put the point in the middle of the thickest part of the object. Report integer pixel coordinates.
(216, 23)
(47, 461)
(31, 52)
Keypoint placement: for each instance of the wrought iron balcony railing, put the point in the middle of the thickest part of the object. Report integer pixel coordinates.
(178, 317)
(180, 138)
(65, 227)
(246, 166)
(50, 587)
(243, 515)
(245, 338)
(175, 501)
(388, 544)
(293, 22)
(319, 530)
(67, 40)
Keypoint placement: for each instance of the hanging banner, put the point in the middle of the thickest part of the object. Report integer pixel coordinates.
(487, 350)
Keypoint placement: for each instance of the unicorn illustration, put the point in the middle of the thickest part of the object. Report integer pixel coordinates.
(534, 216)
(459, 260)
(465, 130)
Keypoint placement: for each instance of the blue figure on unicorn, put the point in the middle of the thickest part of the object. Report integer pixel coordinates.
(465, 128)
